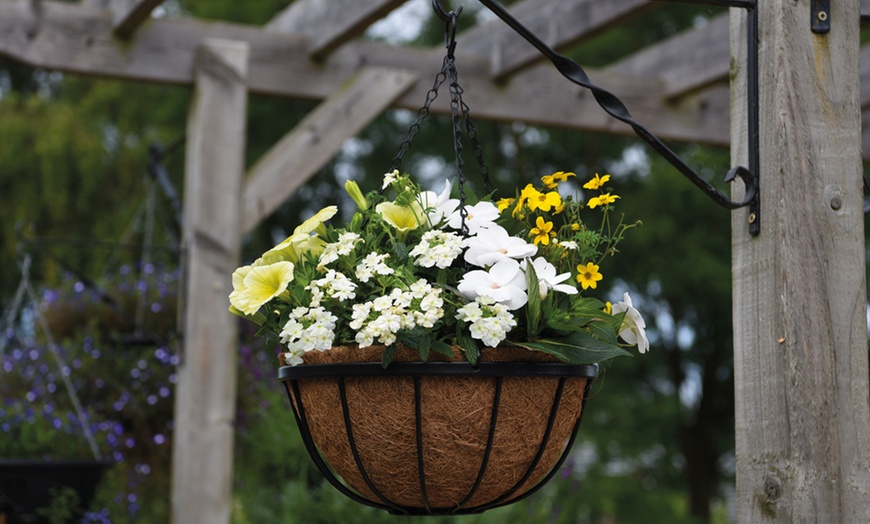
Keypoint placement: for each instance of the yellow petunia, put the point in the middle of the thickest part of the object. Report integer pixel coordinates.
(545, 201)
(292, 249)
(596, 182)
(588, 275)
(543, 232)
(504, 203)
(315, 223)
(254, 286)
(551, 181)
(601, 200)
(403, 218)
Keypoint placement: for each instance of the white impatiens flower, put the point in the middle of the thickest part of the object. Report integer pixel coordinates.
(480, 216)
(373, 264)
(569, 245)
(504, 282)
(490, 321)
(438, 206)
(493, 244)
(547, 277)
(307, 329)
(437, 248)
(632, 330)
(343, 247)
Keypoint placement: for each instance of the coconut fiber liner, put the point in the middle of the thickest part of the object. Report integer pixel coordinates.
(455, 419)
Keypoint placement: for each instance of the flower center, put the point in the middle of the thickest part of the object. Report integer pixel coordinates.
(503, 251)
(494, 285)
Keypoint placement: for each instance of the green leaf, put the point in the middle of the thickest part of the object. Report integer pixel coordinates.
(576, 348)
(533, 306)
(439, 346)
(468, 345)
(400, 249)
(388, 355)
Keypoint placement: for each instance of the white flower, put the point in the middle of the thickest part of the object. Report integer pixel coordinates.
(493, 244)
(334, 285)
(547, 277)
(569, 244)
(632, 329)
(372, 264)
(343, 247)
(438, 206)
(389, 178)
(505, 283)
(490, 321)
(480, 216)
(437, 248)
(307, 329)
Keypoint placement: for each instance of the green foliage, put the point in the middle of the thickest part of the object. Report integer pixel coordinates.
(63, 507)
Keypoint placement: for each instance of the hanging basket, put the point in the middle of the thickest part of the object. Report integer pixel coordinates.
(440, 437)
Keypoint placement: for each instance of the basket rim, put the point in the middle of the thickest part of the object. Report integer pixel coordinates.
(417, 369)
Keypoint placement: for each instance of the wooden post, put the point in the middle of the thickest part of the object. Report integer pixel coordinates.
(206, 393)
(800, 337)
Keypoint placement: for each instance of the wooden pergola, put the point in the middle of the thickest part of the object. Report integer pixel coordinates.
(803, 417)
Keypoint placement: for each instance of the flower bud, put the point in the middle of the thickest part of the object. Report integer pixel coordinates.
(354, 191)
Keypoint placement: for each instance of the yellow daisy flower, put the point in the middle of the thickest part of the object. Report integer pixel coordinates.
(545, 201)
(602, 200)
(588, 275)
(504, 203)
(543, 232)
(551, 181)
(596, 182)
(526, 195)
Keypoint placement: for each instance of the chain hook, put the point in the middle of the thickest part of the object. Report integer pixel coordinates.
(450, 19)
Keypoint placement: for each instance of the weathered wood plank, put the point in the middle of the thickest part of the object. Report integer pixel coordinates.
(206, 391)
(800, 335)
(685, 62)
(78, 39)
(559, 24)
(320, 135)
(129, 14)
(330, 24)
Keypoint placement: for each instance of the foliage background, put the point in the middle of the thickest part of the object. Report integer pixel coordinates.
(656, 444)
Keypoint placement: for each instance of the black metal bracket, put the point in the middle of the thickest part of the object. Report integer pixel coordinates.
(820, 12)
(615, 108)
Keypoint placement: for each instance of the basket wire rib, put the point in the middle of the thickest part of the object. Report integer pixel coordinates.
(496, 370)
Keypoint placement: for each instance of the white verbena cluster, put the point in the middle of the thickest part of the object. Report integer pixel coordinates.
(437, 248)
(345, 244)
(373, 264)
(334, 285)
(305, 330)
(381, 318)
(490, 321)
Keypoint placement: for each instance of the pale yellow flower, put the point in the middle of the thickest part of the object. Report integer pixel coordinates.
(254, 286)
(356, 194)
(292, 249)
(315, 223)
(403, 218)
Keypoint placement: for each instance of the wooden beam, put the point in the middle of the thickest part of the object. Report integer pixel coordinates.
(128, 15)
(330, 24)
(303, 151)
(800, 325)
(560, 24)
(685, 62)
(78, 39)
(202, 462)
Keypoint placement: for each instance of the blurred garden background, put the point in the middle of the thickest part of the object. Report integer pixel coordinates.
(89, 258)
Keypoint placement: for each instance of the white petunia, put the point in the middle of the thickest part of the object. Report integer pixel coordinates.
(504, 282)
(548, 279)
(632, 330)
(493, 244)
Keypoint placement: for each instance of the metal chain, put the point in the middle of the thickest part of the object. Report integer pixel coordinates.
(422, 113)
(456, 118)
